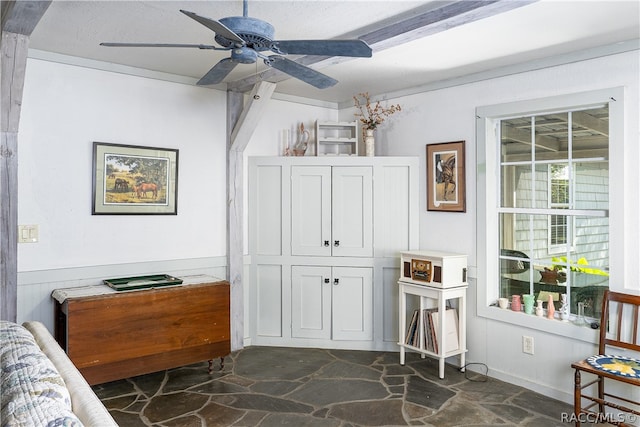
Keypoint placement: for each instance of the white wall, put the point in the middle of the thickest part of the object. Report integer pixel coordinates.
(65, 109)
(449, 115)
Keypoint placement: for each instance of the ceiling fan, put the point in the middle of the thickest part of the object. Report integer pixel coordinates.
(248, 37)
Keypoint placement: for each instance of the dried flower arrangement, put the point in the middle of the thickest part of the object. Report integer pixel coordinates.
(372, 116)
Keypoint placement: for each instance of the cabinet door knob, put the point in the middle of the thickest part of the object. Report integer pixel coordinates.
(326, 243)
(336, 243)
(326, 280)
(336, 281)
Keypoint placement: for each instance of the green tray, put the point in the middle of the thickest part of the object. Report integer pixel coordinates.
(142, 282)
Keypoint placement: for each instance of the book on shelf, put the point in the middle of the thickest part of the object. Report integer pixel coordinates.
(411, 330)
(450, 329)
(430, 330)
(429, 338)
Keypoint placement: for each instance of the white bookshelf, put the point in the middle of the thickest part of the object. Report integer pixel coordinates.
(439, 297)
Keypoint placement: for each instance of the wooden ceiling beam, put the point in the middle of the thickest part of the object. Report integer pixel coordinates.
(22, 16)
(242, 121)
(18, 19)
(251, 114)
(590, 122)
(394, 32)
(586, 121)
(524, 137)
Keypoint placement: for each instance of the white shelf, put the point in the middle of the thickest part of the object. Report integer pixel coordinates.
(336, 138)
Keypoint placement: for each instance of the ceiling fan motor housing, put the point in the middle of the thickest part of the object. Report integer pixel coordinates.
(244, 55)
(257, 33)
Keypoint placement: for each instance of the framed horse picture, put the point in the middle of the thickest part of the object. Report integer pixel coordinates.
(134, 180)
(446, 177)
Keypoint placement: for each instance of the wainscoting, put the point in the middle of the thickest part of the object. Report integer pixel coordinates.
(35, 287)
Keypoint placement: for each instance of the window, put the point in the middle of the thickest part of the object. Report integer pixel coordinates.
(558, 199)
(546, 225)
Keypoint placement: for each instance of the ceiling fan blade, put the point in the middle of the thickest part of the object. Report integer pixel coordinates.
(215, 26)
(199, 46)
(356, 48)
(299, 71)
(218, 72)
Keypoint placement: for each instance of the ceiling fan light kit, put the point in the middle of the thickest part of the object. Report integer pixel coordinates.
(248, 37)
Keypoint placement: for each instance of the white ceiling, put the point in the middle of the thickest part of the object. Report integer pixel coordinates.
(530, 31)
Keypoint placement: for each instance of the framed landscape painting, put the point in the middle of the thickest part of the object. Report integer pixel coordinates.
(446, 177)
(134, 180)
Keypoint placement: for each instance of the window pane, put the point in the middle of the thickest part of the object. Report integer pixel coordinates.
(586, 269)
(559, 180)
(552, 136)
(558, 230)
(515, 140)
(515, 265)
(592, 185)
(516, 186)
(542, 186)
(590, 133)
(507, 231)
(591, 242)
(514, 232)
(517, 182)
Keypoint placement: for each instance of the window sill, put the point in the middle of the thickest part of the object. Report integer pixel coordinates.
(552, 326)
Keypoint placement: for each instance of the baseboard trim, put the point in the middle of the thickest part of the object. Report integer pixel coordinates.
(560, 395)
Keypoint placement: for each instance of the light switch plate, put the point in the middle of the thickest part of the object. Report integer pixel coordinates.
(27, 234)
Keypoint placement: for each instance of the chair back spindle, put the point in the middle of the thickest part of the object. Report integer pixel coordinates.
(627, 309)
(618, 328)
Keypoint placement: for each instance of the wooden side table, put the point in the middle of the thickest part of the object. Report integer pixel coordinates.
(112, 335)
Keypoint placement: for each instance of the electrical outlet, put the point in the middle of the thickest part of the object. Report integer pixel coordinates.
(527, 344)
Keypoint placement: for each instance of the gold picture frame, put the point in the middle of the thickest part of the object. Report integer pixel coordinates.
(446, 177)
(134, 180)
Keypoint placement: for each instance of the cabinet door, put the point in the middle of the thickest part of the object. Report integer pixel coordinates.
(311, 302)
(311, 210)
(352, 211)
(352, 303)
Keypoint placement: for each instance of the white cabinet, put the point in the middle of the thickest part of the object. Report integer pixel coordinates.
(332, 211)
(316, 218)
(332, 302)
(336, 139)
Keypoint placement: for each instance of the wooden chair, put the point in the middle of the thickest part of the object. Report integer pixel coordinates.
(618, 330)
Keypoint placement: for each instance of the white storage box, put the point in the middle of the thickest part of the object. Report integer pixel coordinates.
(434, 268)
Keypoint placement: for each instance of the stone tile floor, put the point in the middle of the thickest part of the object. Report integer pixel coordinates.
(275, 386)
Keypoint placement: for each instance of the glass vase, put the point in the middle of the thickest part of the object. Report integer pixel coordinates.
(580, 316)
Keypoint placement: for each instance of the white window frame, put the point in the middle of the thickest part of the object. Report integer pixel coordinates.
(488, 199)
